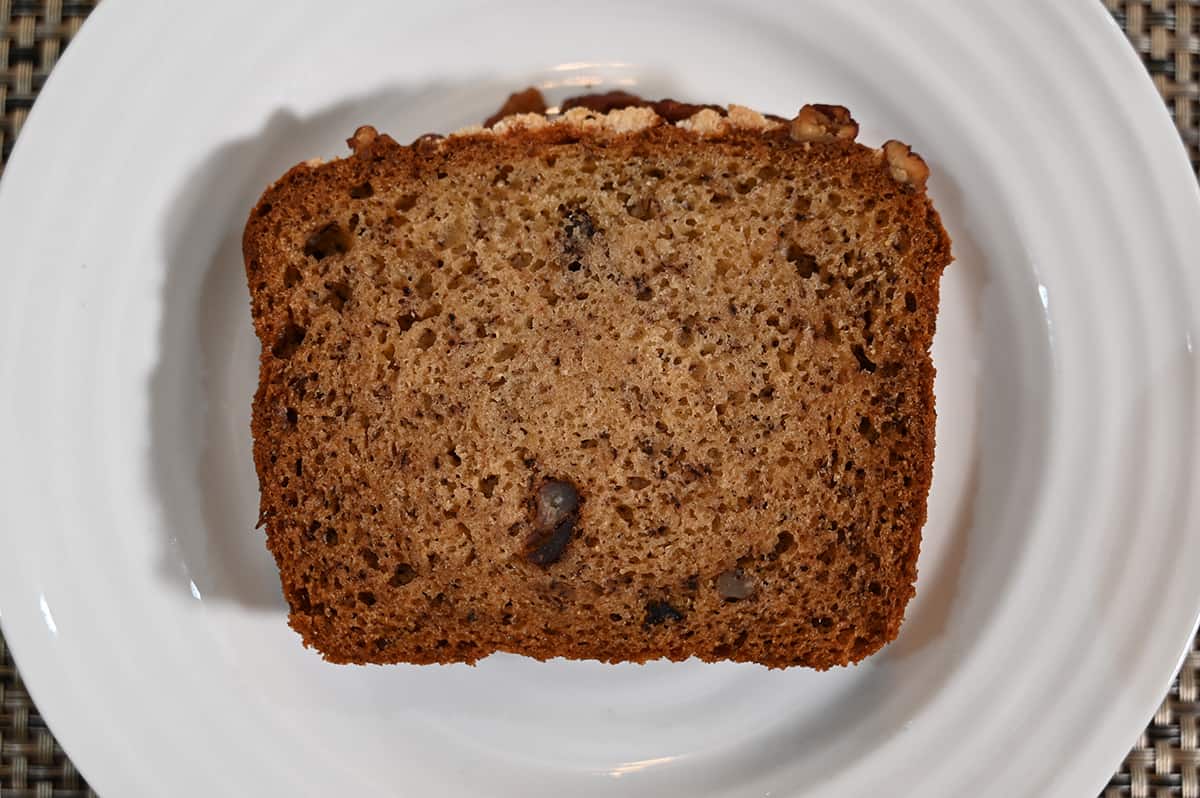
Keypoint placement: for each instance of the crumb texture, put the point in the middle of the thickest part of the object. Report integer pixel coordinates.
(627, 396)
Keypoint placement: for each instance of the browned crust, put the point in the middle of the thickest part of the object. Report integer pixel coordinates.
(379, 158)
(529, 101)
(670, 110)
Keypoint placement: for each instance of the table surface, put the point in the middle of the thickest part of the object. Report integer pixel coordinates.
(1165, 758)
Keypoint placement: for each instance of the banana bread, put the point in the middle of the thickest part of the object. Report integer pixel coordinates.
(606, 384)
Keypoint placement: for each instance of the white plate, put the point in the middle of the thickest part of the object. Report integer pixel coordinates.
(1058, 580)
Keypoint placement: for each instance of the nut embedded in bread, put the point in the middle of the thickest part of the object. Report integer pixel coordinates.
(600, 385)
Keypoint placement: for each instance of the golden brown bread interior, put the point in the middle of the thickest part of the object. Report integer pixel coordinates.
(599, 386)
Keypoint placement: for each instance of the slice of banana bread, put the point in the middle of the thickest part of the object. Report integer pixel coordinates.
(599, 385)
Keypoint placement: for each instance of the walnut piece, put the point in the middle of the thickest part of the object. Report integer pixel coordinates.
(906, 166)
(823, 123)
(363, 138)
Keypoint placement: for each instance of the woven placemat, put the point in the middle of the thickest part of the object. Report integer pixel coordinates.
(1165, 760)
